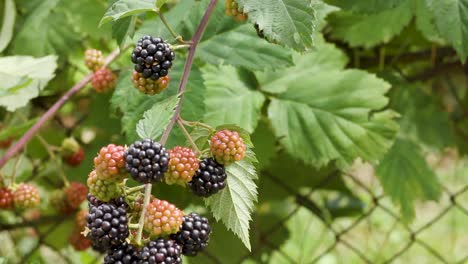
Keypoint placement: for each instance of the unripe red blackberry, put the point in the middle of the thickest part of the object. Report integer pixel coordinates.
(80, 219)
(194, 234)
(152, 57)
(231, 8)
(209, 179)
(147, 161)
(123, 254)
(137, 205)
(78, 241)
(183, 164)
(162, 218)
(108, 225)
(93, 59)
(149, 86)
(110, 163)
(6, 198)
(75, 194)
(58, 201)
(161, 251)
(26, 196)
(71, 151)
(103, 80)
(75, 159)
(103, 190)
(227, 146)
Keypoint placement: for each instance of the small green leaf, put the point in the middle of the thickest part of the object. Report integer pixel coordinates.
(287, 22)
(8, 23)
(451, 18)
(157, 118)
(224, 89)
(235, 204)
(406, 177)
(125, 8)
(123, 29)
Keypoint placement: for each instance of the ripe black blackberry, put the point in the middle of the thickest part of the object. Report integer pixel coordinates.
(161, 251)
(193, 235)
(107, 224)
(152, 57)
(209, 179)
(123, 254)
(119, 201)
(147, 161)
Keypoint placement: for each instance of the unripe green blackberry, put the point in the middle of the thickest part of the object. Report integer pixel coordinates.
(58, 201)
(93, 59)
(227, 146)
(123, 254)
(183, 164)
(110, 163)
(162, 218)
(103, 190)
(147, 161)
(149, 86)
(6, 198)
(103, 80)
(161, 251)
(231, 8)
(71, 151)
(152, 57)
(209, 179)
(75, 194)
(26, 196)
(194, 234)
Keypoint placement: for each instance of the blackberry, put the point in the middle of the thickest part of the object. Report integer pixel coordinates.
(209, 179)
(103, 80)
(183, 164)
(231, 8)
(71, 151)
(58, 201)
(93, 59)
(78, 241)
(152, 57)
(161, 251)
(147, 161)
(227, 146)
(103, 190)
(108, 225)
(26, 196)
(80, 220)
(75, 194)
(123, 254)
(110, 163)
(148, 86)
(193, 235)
(94, 201)
(6, 198)
(162, 218)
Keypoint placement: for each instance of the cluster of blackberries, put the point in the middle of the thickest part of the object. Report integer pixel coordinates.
(152, 57)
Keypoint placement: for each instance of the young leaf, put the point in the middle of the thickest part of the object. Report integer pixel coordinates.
(157, 118)
(451, 18)
(23, 77)
(370, 30)
(287, 22)
(331, 114)
(8, 23)
(234, 205)
(125, 8)
(405, 177)
(225, 90)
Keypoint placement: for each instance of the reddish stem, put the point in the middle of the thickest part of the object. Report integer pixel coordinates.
(188, 66)
(13, 150)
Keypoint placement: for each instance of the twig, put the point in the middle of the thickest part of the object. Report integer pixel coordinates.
(169, 28)
(187, 135)
(13, 150)
(183, 83)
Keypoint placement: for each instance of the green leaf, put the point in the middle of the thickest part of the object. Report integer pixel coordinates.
(406, 177)
(123, 29)
(125, 8)
(225, 90)
(23, 77)
(331, 114)
(287, 22)
(242, 47)
(425, 22)
(8, 23)
(235, 204)
(16, 130)
(451, 18)
(370, 30)
(157, 118)
(366, 6)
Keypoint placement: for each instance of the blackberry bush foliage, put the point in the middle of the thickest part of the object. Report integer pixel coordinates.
(152, 57)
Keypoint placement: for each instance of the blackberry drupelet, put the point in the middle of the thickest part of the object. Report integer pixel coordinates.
(161, 251)
(147, 161)
(152, 57)
(194, 234)
(209, 179)
(123, 254)
(108, 225)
